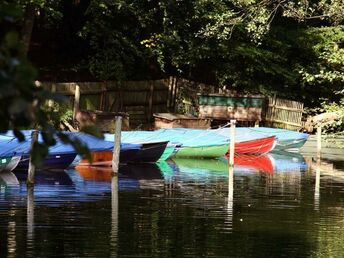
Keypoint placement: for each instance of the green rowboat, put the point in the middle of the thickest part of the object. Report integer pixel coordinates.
(210, 151)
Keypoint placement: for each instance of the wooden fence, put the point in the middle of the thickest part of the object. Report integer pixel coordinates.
(140, 99)
(283, 113)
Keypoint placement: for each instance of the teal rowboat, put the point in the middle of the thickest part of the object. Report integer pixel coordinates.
(169, 150)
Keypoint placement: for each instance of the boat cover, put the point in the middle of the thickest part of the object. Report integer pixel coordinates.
(188, 137)
(10, 146)
(177, 136)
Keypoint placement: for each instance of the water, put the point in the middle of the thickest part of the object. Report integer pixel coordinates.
(272, 206)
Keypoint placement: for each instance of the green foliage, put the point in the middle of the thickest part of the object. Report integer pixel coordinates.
(336, 126)
(112, 31)
(58, 113)
(21, 100)
(290, 48)
(327, 44)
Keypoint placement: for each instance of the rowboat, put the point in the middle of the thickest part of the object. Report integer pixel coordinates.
(60, 155)
(146, 138)
(150, 152)
(52, 161)
(203, 151)
(256, 146)
(146, 152)
(9, 163)
(285, 139)
(182, 142)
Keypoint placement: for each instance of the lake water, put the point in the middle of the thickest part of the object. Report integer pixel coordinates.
(276, 205)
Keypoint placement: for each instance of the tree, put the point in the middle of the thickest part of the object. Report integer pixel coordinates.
(21, 100)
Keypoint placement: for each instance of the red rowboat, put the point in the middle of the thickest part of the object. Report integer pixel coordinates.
(256, 146)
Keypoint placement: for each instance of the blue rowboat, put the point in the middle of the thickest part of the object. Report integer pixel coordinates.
(60, 156)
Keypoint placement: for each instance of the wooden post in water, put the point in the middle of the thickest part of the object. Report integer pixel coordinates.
(32, 167)
(117, 144)
(76, 101)
(232, 144)
(319, 142)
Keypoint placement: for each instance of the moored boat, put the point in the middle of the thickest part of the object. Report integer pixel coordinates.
(52, 161)
(198, 143)
(146, 152)
(285, 139)
(60, 156)
(144, 137)
(256, 146)
(9, 163)
(150, 152)
(206, 151)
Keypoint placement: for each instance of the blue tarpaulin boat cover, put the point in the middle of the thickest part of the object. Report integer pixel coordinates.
(10, 146)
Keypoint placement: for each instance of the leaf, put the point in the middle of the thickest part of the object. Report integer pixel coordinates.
(38, 153)
(92, 130)
(19, 135)
(48, 137)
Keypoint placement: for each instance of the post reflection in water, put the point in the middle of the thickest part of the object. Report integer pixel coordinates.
(114, 216)
(230, 197)
(11, 235)
(317, 186)
(30, 217)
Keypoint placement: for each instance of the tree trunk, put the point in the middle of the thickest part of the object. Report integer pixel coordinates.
(29, 17)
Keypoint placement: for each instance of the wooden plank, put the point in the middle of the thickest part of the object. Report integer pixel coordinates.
(287, 108)
(283, 122)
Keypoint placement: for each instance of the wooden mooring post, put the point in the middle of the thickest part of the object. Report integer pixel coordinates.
(76, 101)
(117, 145)
(232, 144)
(319, 142)
(32, 167)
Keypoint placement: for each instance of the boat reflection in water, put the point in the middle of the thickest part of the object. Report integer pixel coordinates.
(80, 185)
(131, 176)
(90, 183)
(272, 163)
